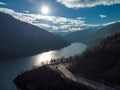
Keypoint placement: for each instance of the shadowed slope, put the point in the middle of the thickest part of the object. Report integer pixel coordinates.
(101, 62)
(45, 78)
(21, 39)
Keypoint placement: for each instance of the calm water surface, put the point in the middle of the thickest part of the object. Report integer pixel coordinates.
(11, 68)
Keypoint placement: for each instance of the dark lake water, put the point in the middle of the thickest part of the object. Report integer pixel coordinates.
(11, 68)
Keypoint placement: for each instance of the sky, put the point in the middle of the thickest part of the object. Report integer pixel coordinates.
(64, 15)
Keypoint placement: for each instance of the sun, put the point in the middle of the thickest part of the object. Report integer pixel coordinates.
(45, 10)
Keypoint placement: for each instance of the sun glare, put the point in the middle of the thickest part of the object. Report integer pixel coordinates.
(45, 10)
(43, 58)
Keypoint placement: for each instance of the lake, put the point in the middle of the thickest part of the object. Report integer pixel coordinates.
(9, 69)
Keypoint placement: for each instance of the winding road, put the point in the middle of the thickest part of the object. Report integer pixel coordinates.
(82, 80)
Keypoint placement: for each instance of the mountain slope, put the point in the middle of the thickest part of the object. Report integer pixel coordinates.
(82, 35)
(104, 32)
(21, 39)
(93, 36)
(62, 33)
(101, 62)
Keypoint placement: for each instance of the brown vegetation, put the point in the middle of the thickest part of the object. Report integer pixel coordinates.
(101, 62)
(45, 78)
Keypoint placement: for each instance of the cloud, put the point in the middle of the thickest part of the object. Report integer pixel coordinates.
(51, 23)
(87, 3)
(81, 18)
(102, 16)
(56, 28)
(43, 25)
(26, 11)
(108, 23)
(2, 3)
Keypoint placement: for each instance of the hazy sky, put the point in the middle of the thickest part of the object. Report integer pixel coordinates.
(64, 15)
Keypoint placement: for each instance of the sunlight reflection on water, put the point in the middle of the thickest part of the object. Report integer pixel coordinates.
(11, 68)
(45, 57)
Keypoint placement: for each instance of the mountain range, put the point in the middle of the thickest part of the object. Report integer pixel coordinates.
(93, 36)
(81, 36)
(18, 39)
